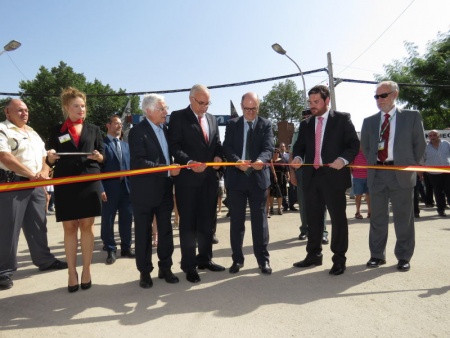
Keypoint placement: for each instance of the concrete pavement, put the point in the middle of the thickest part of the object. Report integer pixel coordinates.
(290, 303)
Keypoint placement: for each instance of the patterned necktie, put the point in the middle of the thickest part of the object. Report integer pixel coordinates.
(118, 150)
(318, 143)
(384, 136)
(205, 135)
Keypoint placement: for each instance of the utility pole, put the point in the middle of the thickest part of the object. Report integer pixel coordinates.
(331, 82)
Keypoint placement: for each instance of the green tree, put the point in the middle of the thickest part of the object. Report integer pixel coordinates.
(432, 70)
(42, 98)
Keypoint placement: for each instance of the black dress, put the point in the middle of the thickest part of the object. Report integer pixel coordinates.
(77, 200)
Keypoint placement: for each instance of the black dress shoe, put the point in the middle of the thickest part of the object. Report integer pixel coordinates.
(235, 267)
(337, 269)
(293, 209)
(211, 266)
(6, 283)
(375, 262)
(168, 276)
(128, 253)
(442, 213)
(192, 276)
(403, 265)
(73, 288)
(302, 236)
(215, 240)
(56, 265)
(85, 286)
(111, 257)
(145, 281)
(309, 261)
(265, 268)
(324, 240)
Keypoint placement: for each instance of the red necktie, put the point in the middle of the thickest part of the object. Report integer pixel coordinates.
(318, 143)
(384, 135)
(205, 135)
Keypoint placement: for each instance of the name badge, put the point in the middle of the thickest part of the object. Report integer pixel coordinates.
(64, 138)
(381, 145)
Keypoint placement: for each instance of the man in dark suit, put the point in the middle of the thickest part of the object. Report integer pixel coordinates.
(249, 143)
(327, 142)
(392, 136)
(116, 193)
(194, 139)
(152, 194)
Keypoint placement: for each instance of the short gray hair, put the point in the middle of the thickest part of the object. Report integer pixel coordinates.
(150, 101)
(198, 88)
(393, 85)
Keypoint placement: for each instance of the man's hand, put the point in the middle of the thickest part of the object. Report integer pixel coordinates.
(243, 165)
(293, 177)
(217, 159)
(42, 175)
(337, 164)
(296, 163)
(104, 197)
(174, 172)
(258, 165)
(199, 168)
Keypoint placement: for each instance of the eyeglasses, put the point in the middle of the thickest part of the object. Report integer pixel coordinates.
(200, 103)
(250, 110)
(383, 96)
(166, 108)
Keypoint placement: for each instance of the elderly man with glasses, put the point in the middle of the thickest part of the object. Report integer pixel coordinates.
(393, 136)
(194, 139)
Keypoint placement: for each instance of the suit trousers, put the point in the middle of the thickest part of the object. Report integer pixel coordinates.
(319, 196)
(237, 201)
(143, 220)
(386, 188)
(24, 209)
(302, 207)
(196, 207)
(117, 201)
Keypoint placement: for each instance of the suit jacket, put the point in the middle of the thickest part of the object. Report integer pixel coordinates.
(146, 152)
(90, 140)
(111, 163)
(261, 148)
(339, 140)
(409, 144)
(187, 143)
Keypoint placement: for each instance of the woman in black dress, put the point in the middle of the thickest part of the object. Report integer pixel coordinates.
(76, 148)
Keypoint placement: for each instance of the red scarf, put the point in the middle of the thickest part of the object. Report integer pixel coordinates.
(69, 125)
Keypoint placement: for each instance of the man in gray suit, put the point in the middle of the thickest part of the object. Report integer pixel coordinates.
(393, 136)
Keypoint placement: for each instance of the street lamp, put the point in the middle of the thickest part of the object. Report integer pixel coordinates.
(277, 48)
(10, 46)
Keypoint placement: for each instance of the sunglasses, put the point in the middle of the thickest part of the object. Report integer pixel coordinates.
(383, 96)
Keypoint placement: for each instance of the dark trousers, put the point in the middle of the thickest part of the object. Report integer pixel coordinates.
(237, 200)
(292, 195)
(143, 220)
(428, 189)
(196, 206)
(319, 196)
(117, 201)
(23, 209)
(441, 188)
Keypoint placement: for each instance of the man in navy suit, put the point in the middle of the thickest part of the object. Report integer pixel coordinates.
(116, 193)
(327, 142)
(152, 194)
(249, 143)
(194, 139)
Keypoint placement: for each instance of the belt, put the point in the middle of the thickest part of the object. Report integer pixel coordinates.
(385, 162)
(21, 178)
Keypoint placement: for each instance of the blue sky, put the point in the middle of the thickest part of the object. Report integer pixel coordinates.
(143, 45)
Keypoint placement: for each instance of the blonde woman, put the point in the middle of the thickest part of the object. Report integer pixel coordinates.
(76, 148)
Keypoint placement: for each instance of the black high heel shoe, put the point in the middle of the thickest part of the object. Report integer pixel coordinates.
(85, 286)
(73, 288)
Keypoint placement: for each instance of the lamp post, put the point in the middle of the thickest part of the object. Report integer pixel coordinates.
(277, 48)
(10, 46)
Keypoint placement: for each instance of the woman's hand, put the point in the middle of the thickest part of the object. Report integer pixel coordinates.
(96, 156)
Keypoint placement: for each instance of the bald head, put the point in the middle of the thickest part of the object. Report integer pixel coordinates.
(250, 106)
